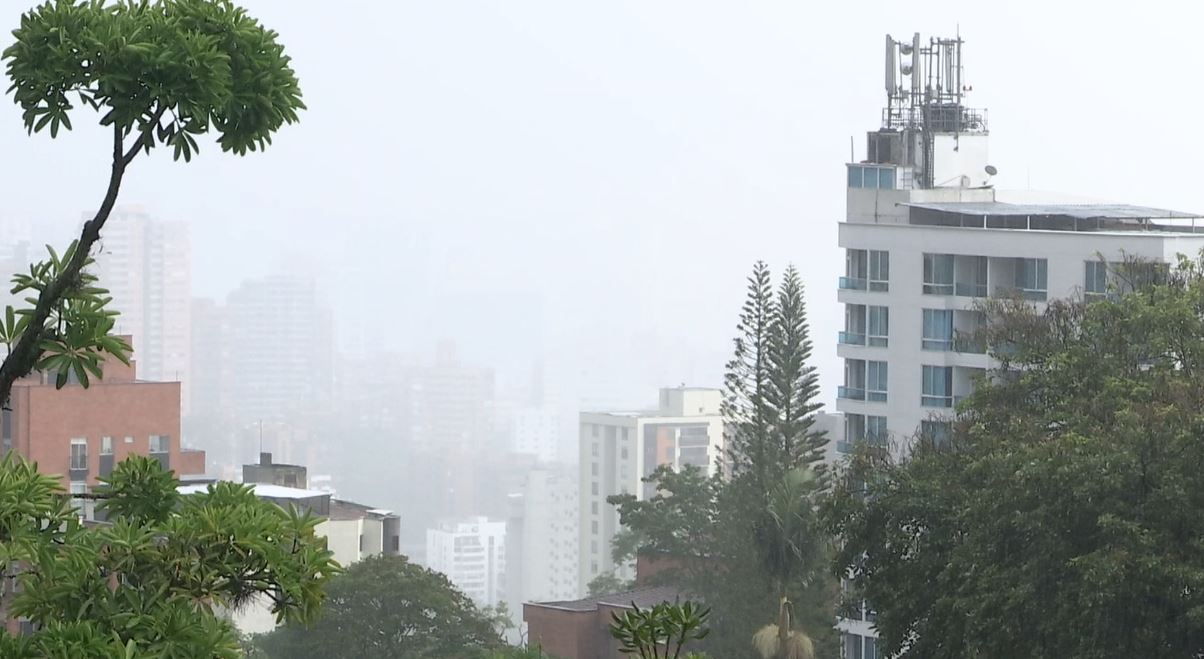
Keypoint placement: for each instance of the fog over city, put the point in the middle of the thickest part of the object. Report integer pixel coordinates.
(515, 212)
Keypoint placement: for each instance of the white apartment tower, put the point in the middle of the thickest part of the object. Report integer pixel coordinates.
(618, 449)
(472, 553)
(926, 236)
(146, 264)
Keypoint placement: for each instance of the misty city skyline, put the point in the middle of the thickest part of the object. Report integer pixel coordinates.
(589, 186)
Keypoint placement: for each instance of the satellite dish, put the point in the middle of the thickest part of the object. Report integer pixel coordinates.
(991, 171)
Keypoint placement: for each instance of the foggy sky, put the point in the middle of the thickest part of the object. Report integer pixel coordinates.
(590, 182)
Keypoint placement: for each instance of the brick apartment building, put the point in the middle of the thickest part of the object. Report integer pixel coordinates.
(81, 434)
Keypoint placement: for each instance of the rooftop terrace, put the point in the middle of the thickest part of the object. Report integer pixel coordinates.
(1053, 217)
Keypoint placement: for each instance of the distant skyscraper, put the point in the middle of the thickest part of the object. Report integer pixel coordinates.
(537, 432)
(280, 347)
(542, 543)
(453, 403)
(472, 553)
(147, 266)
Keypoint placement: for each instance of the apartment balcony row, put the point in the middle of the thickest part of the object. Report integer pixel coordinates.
(860, 393)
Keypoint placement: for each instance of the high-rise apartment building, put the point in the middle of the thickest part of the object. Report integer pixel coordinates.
(926, 237)
(472, 553)
(146, 264)
(541, 560)
(280, 349)
(452, 403)
(618, 449)
(536, 431)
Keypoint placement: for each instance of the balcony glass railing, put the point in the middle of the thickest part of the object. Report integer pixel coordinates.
(850, 393)
(875, 396)
(877, 341)
(1033, 294)
(970, 290)
(879, 285)
(852, 339)
(939, 345)
(852, 284)
(936, 401)
(931, 288)
(870, 439)
(969, 346)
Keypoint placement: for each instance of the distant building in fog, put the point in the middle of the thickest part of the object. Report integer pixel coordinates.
(280, 348)
(536, 431)
(472, 553)
(541, 532)
(146, 264)
(452, 403)
(618, 449)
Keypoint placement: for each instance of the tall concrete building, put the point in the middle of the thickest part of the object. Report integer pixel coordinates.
(146, 264)
(926, 237)
(542, 542)
(472, 553)
(280, 349)
(452, 403)
(618, 449)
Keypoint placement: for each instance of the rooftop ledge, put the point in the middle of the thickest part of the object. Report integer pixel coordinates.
(1053, 217)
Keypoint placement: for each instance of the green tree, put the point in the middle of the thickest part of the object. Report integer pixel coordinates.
(386, 607)
(661, 631)
(158, 74)
(607, 582)
(722, 531)
(1060, 519)
(151, 582)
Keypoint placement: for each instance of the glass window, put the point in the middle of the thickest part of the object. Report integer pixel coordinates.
(852, 646)
(937, 386)
(854, 176)
(875, 429)
(79, 454)
(879, 270)
(937, 432)
(593, 468)
(879, 326)
(938, 329)
(886, 178)
(1031, 277)
(159, 443)
(871, 648)
(593, 488)
(875, 381)
(106, 446)
(1096, 278)
(593, 507)
(593, 448)
(938, 274)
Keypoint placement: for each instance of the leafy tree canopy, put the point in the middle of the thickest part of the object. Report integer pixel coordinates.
(386, 607)
(151, 582)
(1061, 518)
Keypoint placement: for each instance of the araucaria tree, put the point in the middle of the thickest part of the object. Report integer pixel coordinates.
(747, 540)
(158, 73)
(1062, 516)
(150, 583)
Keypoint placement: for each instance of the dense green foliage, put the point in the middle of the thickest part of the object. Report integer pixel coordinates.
(745, 538)
(1062, 517)
(387, 607)
(159, 74)
(661, 631)
(151, 582)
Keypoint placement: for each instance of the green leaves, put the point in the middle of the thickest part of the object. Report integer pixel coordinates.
(164, 71)
(149, 583)
(660, 631)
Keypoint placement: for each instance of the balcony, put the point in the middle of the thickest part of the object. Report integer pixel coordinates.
(940, 401)
(852, 339)
(875, 396)
(853, 284)
(970, 290)
(969, 347)
(850, 393)
(931, 288)
(938, 345)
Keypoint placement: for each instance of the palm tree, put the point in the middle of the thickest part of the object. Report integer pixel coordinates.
(787, 537)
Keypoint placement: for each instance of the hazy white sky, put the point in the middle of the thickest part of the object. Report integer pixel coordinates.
(595, 179)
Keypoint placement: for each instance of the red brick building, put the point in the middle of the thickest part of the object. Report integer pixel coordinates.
(80, 434)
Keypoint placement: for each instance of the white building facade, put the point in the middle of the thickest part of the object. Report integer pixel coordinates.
(472, 553)
(926, 239)
(618, 449)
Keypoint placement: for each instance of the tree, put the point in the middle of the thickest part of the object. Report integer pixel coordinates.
(149, 583)
(1060, 519)
(384, 607)
(159, 74)
(721, 530)
(661, 631)
(606, 583)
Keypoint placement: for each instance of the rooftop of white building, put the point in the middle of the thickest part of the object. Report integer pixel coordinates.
(1053, 217)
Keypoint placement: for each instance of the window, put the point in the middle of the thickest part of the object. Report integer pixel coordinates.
(106, 446)
(593, 527)
(875, 430)
(593, 468)
(879, 270)
(1095, 281)
(593, 507)
(593, 448)
(159, 443)
(937, 386)
(594, 430)
(1032, 278)
(593, 488)
(593, 546)
(361, 543)
(855, 176)
(938, 274)
(937, 432)
(861, 176)
(78, 488)
(852, 646)
(855, 270)
(878, 327)
(886, 178)
(854, 380)
(938, 330)
(623, 451)
(875, 381)
(79, 454)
